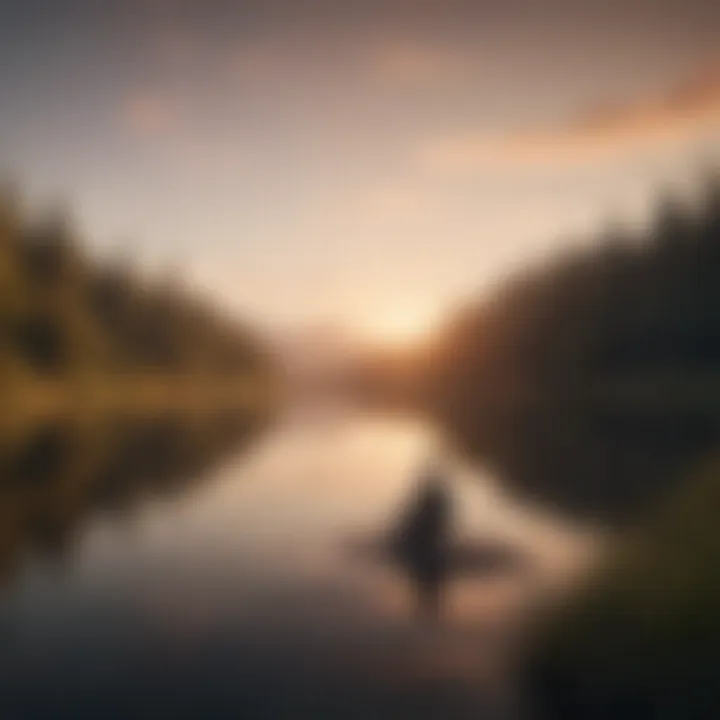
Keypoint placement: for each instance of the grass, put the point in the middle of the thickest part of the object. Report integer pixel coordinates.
(641, 639)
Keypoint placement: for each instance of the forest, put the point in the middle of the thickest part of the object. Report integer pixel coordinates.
(76, 331)
(590, 381)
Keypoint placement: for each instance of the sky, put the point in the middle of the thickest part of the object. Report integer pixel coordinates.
(366, 164)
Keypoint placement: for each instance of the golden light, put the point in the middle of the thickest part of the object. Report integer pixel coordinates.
(400, 329)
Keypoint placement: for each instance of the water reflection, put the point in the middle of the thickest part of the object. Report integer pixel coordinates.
(238, 599)
(59, 476)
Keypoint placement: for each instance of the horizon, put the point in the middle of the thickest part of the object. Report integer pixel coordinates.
(365, 169)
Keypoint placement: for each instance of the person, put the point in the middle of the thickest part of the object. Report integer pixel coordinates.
(422, 537)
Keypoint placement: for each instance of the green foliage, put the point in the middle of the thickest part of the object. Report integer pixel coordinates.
(591, 381)
(63, 315)
(631, 303)
(641, 639)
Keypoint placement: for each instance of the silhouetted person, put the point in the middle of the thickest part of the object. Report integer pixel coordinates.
(424, 545)
(422, 538)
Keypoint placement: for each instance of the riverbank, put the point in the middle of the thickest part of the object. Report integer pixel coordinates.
(30, 402)
(641, 638)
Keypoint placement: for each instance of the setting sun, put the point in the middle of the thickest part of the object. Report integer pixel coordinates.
(401, 328)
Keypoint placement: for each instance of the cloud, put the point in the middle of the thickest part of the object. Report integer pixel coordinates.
(690, 104)
(690, 108)
(146, 113)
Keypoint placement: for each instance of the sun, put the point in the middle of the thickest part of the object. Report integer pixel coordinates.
(401, 329)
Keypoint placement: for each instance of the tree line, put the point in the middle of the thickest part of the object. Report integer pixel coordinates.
(591, 380)
(64, 314)
(588, 381)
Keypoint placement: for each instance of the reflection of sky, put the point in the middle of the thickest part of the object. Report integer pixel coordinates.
(314, 160)
(244, 581)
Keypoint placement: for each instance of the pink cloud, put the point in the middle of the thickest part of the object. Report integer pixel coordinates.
(688, 109)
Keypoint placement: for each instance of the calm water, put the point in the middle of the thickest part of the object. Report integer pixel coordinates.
(227, 590)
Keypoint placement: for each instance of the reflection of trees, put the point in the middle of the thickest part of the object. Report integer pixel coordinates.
(61, 475)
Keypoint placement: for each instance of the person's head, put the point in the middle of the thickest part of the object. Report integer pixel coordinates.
(435, 465)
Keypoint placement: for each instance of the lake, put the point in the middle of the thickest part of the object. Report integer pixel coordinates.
(211, 578)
